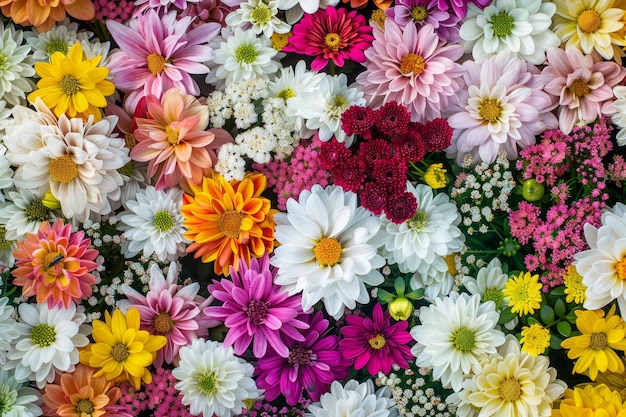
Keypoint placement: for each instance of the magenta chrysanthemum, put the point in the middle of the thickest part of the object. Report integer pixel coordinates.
(255, 310)
(412, 67)
(459, 7)
(376, 342)
(331, 34)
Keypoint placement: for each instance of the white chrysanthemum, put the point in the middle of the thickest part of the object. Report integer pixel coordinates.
(420, 242)
(25, 135)
(521, 27)
(455, 334)
(135, 176)
(7, 246)
(47, 342)
(436, 281)
(325, 249)
(153, 223)
(241, 55)
(213, 381)
(78, 163)
(295, 9)
(7, 328)
(603, 265)
(323, 106)
(261, 15)
(58, 39)
(513, 383)
(489, 284)
(16, 399)
(353, 400)
(16, 66)
(6, 173)
(23, 213)
(619, 117)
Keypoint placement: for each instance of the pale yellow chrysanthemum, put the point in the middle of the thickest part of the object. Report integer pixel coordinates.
(535, 339)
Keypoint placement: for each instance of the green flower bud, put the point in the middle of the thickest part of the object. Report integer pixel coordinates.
(532, 190)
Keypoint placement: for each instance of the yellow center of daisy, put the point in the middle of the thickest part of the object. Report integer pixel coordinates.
(418, 221)
(589, 21)
(412, 64)
(502, 24)
(57, 45)
(119, 352)
(172, 135)
(156, 63)
(378, 17)
(419, 13)
(129, 141)
(489, 110)
(36, 211)
(340, 102)
(280, 40)
(70, 85)
(43, 335)
(598, 341)
(85, 406)
(332, 40)
(51, 260)
(127, 169)
(63, 169)
(163, 221)
(4, 243)
(230, 223)
(377, 342)
(463, 339)
(287, 93)
(620, 267)
(510, 390)
(327, 251)
(579, 88)
(261, 13)
(208, 384)
(246, 53)
(163, 323)
(495, 295)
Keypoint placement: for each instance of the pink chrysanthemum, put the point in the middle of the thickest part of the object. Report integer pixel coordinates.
(422, 12)
(159, 53)
(206, 11)
(331, 34)
(312, 365)
(173, 139)
(582, 83)
(459, 7)
(255, 310)
(413, 68)
(54, 265)
(376, 342)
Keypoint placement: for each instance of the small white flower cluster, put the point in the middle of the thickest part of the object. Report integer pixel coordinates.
(482, 191)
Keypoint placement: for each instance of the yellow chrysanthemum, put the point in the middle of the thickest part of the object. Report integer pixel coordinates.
(591, 24)
(574, 287)
(616, 381)
(435, 176)
(594, 347)
(121, 350)
(535, 339)
(72, 84)
(591, 401)
(523, 293)
(229, 221)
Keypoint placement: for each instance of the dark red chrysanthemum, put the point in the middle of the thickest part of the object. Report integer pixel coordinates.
(333, 154)
(437, 134)
(350, 175)
(374, 150)
(391, 173)
(392, 119)
(358, 120)
(401, 207)
(410, 146)
(374, 197)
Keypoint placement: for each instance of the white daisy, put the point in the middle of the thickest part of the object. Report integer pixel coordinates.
(47, 342)
(58, 39)
(23, 213)
(325, 250)
(6, 173)
(603, 265)
(421, 242)
(455, 333)
(435, 282)
(16, 399)
(7, 246)
(619, 113)
(295, 9)
(16, 66)
(521, 27)
(323, 106)
(153, 223)
(241, 55)
(261, 15)
(135, 177)
(213, 381)
(489, 283)
(7, 328)
(352, 400)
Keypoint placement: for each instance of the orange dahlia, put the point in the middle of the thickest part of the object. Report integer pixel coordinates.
(228, 221)
(43, 14)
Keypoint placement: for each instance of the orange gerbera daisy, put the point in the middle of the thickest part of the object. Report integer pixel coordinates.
(43, 14)
(78, 393)
(228, 221)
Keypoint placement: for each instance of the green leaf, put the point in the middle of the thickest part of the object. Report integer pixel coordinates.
(558, 291)
(506, 316)
(417, 294)
(400, 286)
(547, 314)
(564, 328)
(532, 320)
(385, 296)
(555, 342)
(559, 307)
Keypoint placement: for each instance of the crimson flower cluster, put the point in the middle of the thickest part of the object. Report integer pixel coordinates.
(376, 166)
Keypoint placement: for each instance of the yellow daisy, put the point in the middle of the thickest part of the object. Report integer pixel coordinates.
(574, 287)
(523, 293)
(72, 84)
(591, 401)
(122, 351)
(591, 24)
(594, 347)
(535, 339)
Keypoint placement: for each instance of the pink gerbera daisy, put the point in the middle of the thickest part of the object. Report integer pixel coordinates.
(173, 139)
(331, 34)
(412, 67)
(54, 265)
(582, 83)
(159, 53)
(376, 342)
(255, 310)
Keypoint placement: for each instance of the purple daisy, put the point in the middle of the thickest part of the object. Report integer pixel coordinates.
(312, 365)
(255, 310)
(421, 12)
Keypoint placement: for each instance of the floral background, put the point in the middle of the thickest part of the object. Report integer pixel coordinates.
(315, 208)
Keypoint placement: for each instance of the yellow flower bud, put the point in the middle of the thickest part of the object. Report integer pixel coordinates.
(401, 308)
(435, 176)
(50, 201)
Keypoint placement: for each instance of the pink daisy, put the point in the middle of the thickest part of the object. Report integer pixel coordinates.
(459, 7)
(375, 342)
(582, 83)
(159, 53)
(255, 310)
(331, 34)
(422, 12)
(171, 310)
(412, 67)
